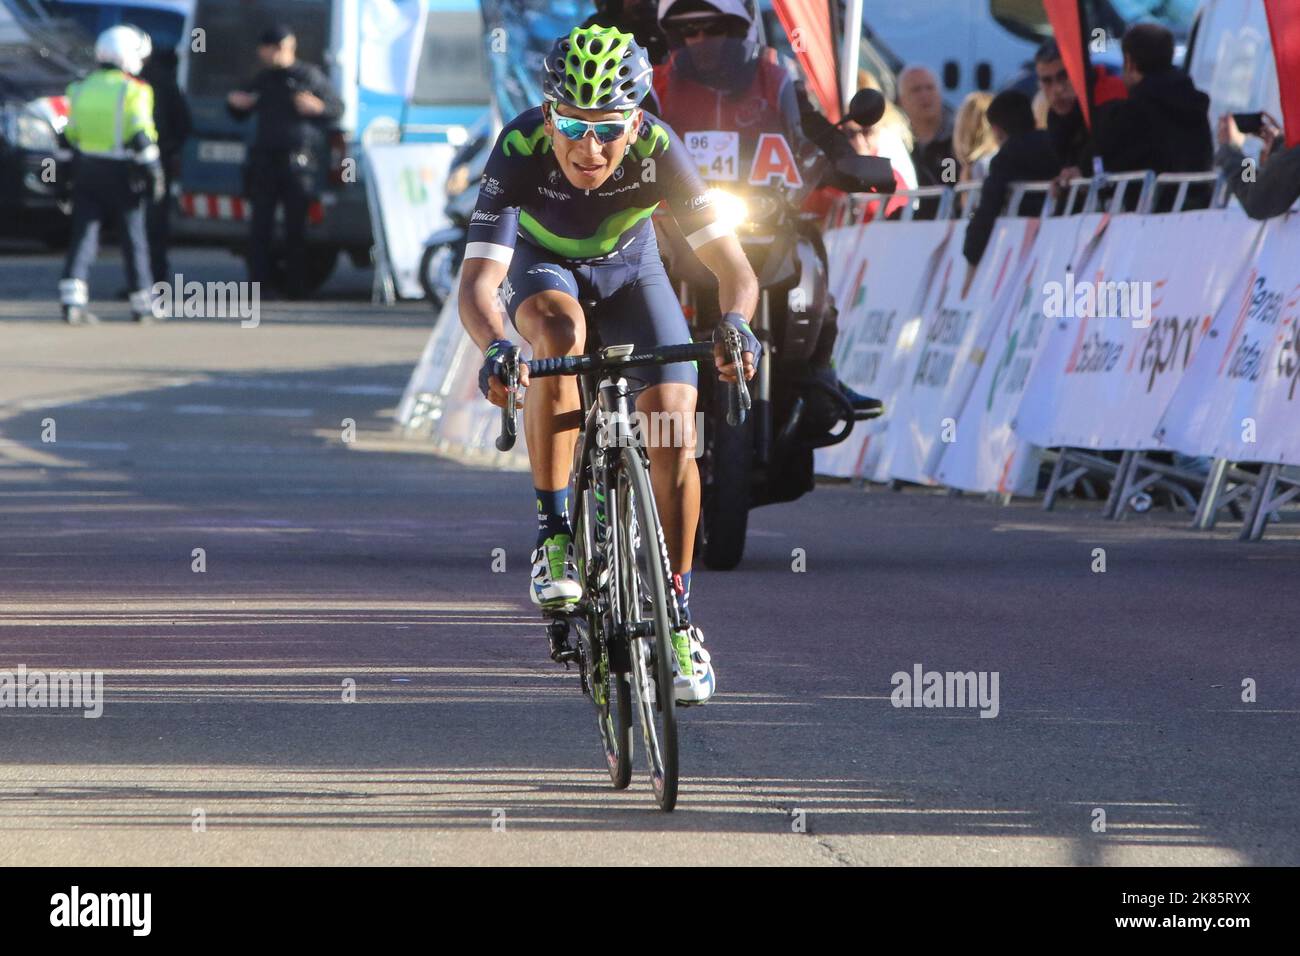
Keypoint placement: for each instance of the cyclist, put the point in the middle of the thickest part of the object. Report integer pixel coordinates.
(563, 216)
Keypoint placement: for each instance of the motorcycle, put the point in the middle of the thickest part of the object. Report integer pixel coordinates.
(444, 249)
(767, 457)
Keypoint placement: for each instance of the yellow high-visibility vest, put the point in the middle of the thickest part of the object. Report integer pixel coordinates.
(105, 112)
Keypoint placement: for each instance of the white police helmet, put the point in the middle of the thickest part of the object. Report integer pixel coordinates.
(123, 47)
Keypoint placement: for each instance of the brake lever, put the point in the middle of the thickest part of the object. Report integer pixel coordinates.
(510, 378)
(738, 399)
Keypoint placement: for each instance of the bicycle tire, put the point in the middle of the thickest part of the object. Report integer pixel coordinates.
(642, 575)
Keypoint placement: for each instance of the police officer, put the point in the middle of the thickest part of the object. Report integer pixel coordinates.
(294, 103)
(117, 169)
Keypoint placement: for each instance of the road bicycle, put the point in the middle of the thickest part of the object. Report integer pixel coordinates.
(624, 621)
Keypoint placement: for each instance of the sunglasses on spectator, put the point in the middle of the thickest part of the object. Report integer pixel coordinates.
(606, 131)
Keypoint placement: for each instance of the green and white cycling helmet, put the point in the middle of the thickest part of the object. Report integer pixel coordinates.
(597, 68)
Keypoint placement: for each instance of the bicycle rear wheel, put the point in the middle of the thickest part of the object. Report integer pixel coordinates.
(642, 577)
(610, 685)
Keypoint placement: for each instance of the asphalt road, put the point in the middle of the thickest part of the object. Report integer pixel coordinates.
(225, 736)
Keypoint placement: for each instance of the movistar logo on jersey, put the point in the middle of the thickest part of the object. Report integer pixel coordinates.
(654, 140)
(600, 243)
(526, 145)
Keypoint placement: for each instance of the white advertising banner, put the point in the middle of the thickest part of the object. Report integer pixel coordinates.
(1240, 398)
(987, 455)
(882, 272)
(947, 353)
(442, 396)
(408, 182)
(1124, 324)
(429, 384)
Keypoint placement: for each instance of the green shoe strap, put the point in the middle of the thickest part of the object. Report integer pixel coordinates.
(682, 645)
(556, 548)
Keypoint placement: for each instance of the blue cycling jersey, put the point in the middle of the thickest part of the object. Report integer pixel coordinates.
(525, 193)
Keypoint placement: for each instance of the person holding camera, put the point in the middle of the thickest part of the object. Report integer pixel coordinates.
(1270, 187)
(294, 104)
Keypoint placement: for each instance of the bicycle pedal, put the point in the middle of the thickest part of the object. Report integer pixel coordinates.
(557, 634)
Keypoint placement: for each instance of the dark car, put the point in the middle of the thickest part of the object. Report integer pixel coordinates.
(37, 62)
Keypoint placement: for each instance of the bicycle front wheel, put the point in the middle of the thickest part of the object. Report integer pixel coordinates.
(643, 598)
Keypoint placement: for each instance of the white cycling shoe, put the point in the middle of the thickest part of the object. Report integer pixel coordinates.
(693, 679)
(555, 573)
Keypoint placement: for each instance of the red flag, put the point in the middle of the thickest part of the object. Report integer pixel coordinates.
(808, 24)
(1284, 26)
(1068, 27)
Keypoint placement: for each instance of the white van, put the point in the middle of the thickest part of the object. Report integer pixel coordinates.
(1231, 58)
(984, 44)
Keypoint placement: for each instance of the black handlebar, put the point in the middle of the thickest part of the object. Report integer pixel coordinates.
(586, 364)
(613, 359)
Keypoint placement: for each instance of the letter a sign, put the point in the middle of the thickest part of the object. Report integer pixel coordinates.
(773, 159)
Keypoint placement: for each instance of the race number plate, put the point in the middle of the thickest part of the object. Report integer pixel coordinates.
(716, 154)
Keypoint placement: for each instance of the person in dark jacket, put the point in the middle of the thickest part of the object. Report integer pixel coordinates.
(1025, 154)
(1272, 186)
(295, 104)
(1069, 133)
(1164, 123)
(171, 116)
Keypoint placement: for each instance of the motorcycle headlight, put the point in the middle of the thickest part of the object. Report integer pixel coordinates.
(35, 134)
(764, 208)
(732, 211)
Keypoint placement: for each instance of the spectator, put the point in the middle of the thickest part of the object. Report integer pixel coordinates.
(1024, 154)
(891, 137)
(1070, 136)
(294, 104)
(1275, 185)
(973, 142)
(1164, 124)
(919, 99)
(1064, 114)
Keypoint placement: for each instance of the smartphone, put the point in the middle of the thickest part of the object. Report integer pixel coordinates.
(1249, 123)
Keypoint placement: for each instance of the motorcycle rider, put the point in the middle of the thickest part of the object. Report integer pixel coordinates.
(118, 167)
(720, 77)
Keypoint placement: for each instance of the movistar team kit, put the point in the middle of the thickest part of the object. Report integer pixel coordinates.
(594, 244)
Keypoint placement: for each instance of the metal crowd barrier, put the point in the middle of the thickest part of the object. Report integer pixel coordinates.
(1203, 487)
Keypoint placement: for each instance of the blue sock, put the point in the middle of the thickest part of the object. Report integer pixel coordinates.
(683, 595)
(552, 513)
